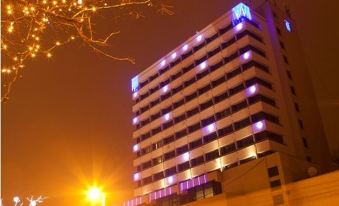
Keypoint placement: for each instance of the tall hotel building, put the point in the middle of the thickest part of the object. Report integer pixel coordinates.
(229, 112)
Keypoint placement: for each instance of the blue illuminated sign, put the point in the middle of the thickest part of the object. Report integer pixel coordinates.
(239, 12)
(288, 26)
(135, 84)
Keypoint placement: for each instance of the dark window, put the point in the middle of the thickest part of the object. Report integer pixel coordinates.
(305, 142)
(166, 96)
(189, 82)
(178, 103)
(225, 131)
(289, 75)
(210, 137)
(282, 45)
(191, 96)
(242, 123)
(212, 155)
(220, 97)
(166, 110)
(147, 180)
(227, 149)
(197, 62)
(192, 112)
(296, 106)
(199, 46)
(263, 115)
(155, 102)
(233, 73)
(169, 155)
(236, 89)
(273, 171)
(189, 53)
(247, 141)
(180, 118)
(219, 81)
(278, 31)
(197, 161)
(259, 97)
(182, 149)
(213, 52)
(301, 124)
(175, 76)
(239, 106)
(170, 171)
(194, 127)
(256, 80)
(202, 74)
(216, 66)
(275, 184)
(180, 134)
(155, 116)
(156, 130)
(195, 144)
(183, 166)
(204, 89)
(167, 124)
(158, 176)
(227, 43)
(188, 68)
(177, 89)
(210, 39)
(223, 113)
(169, 139)
(206, 105)
(146, 165)
(261, 136)
(285, 59)
(293, 91)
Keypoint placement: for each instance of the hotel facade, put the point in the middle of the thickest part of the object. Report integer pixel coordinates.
(228, 112)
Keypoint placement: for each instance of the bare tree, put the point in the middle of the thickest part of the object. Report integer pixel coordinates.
(27, 24)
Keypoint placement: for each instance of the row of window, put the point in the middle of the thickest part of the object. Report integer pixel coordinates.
(200, 76)
(204, 122)
(199, 91)
(204, 42)
(208, 138)
(197, 62)
(201, 107)
(222, 151)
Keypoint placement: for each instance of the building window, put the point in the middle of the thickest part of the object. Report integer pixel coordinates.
(301, 124)
(278, 31)
(169, 155)
(308, 158)
(197, 161)
(273, 171)
(293, 91)
(296, 106)
(195, 144)
(210, 137)
(282, 45)
(285, 59)
(158, 176)
(247, 141)
(212, 155)
(180, 134)
(289, 75)
(184, 166)
(182, 150)
(241, 124)
(305, 142)
(275, 184)
(170, 171)
(227, 149)
(194, 127)
(225, 131)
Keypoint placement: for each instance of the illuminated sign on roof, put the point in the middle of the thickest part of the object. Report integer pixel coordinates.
(241, 11)
(135, 84)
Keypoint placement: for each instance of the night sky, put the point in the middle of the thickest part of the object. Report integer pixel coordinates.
(68, 121)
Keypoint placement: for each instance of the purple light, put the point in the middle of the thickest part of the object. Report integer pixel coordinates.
(185, 47)
(165, 89)
(167, 116)
(174, 55)
(239, 27)
(186, 156)
(136, 148)
(135, 120)
(163, 62)
(199, 38)
(170, 190)
(211, 127)
(246, 55)
(203, 66)
(136, 176)
(205, 180)
(259, 126)
(251, 90)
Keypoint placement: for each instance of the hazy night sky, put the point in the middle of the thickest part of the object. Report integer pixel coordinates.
(68, 120)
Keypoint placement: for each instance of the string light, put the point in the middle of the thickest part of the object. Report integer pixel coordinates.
(32, 26)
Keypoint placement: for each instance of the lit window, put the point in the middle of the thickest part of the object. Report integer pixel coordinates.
(163, 62)
(199, 38)
(246, 55)
(167, 116)
(211, 128)
(135, 95)
(165, 89)
(135, 120)
(185, 47)
(186, 156)
(251, 90)
(174, 55)
(288, 26)
(136, 176)
(259, 126)
(136, 148)
(239, 26)
(203, 66)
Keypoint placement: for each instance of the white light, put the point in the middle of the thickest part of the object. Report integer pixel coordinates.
(163, 62)
(135, 120)
(211, 127)
(239, 26)
(199, 38)
(136, 176)
(253, 89)
(186, 156)
(167, 116)
(174, 55)
(170, 180)
(135, 94)
(79, 1)
(247, 55)
(16, 200)
(203, 65)
(32, 203)
(259, 125)
(165, 89)
(185, 47)
(136, 148)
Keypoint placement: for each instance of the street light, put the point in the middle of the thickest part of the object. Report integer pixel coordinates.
(95, 195)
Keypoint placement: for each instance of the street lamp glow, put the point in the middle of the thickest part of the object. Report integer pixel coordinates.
(94, 194)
